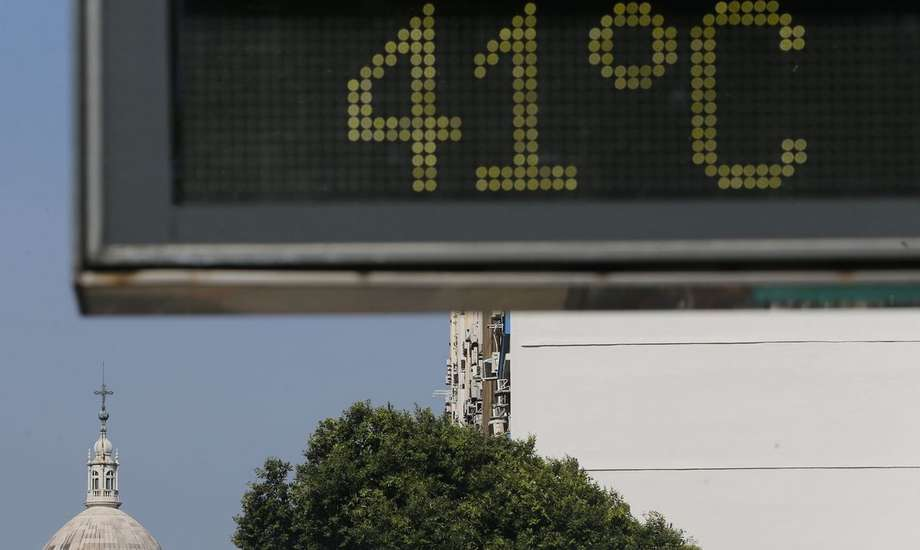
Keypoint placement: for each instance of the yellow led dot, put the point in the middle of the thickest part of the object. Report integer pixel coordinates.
(482, 185)
(725, 183)
(418, 186)
(798, 44)
(775, 183)
(354, 135)
(737, 183)
(763, 183)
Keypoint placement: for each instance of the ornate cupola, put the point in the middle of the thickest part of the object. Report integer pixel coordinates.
(102, 463)
(102, 526)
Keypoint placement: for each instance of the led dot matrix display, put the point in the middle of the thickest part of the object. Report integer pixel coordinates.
(490, 100)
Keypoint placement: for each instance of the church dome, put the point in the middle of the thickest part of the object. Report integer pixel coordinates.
(102, 528)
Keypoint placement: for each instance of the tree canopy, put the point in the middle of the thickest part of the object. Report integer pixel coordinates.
(384, 478)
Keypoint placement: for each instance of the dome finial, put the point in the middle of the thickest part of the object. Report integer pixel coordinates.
(104, 392)
(102, 481)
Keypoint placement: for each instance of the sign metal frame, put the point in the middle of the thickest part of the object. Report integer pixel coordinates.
(633, 273)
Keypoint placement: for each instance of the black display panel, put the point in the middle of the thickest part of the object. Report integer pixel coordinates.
(497, 100)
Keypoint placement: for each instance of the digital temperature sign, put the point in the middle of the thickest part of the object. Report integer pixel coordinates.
(274, 156)
(583, 99)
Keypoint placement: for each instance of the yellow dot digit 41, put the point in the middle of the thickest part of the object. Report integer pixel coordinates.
(425, 128)
(703, 92)
(525, 173)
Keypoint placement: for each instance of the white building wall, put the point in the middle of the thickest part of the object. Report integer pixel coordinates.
(760, 440)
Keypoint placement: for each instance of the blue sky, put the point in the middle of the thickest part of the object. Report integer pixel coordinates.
(199, 402)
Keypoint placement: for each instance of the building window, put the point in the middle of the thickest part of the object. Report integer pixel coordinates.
(109, 481)
(95, 481)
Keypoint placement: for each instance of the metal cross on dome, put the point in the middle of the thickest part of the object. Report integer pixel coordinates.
(104, 390)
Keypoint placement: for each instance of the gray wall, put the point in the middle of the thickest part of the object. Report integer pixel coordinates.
(764, 441)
